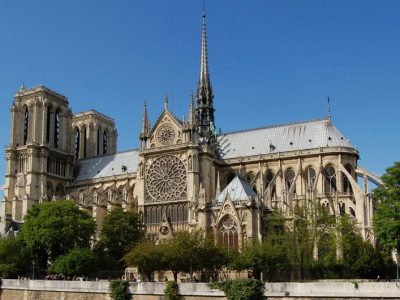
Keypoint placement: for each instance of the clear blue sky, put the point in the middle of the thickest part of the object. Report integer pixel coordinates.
(271, 62)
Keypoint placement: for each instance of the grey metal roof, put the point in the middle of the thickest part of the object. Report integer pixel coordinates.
(107, 165)
(238, 190)
(281, 138)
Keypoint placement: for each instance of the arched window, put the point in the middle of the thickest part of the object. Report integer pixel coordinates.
(268, 179)
(48, 113)
(105, 145)
(228, 234)
(77, 142)
(26, 125)
(325, 209)
(98, 141)
(289, 180)
(347, 188)
(84, 141)
(56, 128)
(330, 180)
(310, 177)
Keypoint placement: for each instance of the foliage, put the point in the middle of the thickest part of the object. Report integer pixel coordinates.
(360, 258)
(53, 228)
(120, 232)
(76, 262)
(301, 233)
(119, 289)
(171, 291)
(386, 220)
(14, 258)
(247, 289)
(268, 255)
(147, 256)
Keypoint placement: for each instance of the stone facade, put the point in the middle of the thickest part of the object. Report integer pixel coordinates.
(186, 174)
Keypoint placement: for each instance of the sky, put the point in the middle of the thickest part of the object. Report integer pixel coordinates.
(271, 62)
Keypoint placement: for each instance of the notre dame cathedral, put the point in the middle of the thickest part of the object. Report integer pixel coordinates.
(185, 173)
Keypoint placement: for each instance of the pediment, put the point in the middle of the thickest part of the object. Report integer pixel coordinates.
(167, 131)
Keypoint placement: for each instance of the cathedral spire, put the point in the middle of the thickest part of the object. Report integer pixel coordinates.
(205, 109)
(145, 122)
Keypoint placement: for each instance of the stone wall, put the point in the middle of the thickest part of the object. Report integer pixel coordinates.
(98, 290)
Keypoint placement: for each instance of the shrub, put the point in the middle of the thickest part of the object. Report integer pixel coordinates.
(118, 289)
(246, 289)
(171, 291)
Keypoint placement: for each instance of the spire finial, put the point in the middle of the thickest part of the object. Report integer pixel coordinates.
(145, 122)
(166, 101)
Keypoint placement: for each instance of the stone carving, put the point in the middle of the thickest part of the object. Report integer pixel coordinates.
(166, 135)
(166, 179)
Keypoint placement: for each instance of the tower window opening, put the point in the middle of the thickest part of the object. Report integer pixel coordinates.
(98, 142)
(56, 129)
(77, 143)
(26, 125)
(105, 141)
(84, 142)
(48, 124)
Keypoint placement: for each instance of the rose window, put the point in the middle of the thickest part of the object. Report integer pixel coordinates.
(166, 135)
(166, 179)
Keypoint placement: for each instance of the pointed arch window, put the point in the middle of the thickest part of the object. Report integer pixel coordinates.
(289, 180)
(48, 122)
(310, 177)
(84, 141)
(26, 125)
(105, 142)
(228, 234)
(57, 128)
(98, 141)
(77, 143)
(330, 180)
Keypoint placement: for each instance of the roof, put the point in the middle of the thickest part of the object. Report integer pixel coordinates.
(281, 138)
(107, 165)
(238, 190)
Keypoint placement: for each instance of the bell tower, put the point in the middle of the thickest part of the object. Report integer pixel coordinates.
(39, 156)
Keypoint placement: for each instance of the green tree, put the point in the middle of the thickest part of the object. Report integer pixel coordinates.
(52, 229)
(360, 258)
(268, 255)
(14, 258)
(182, 252)
(120, 232)
(386, 220)
(76, 262)
(147, 256)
